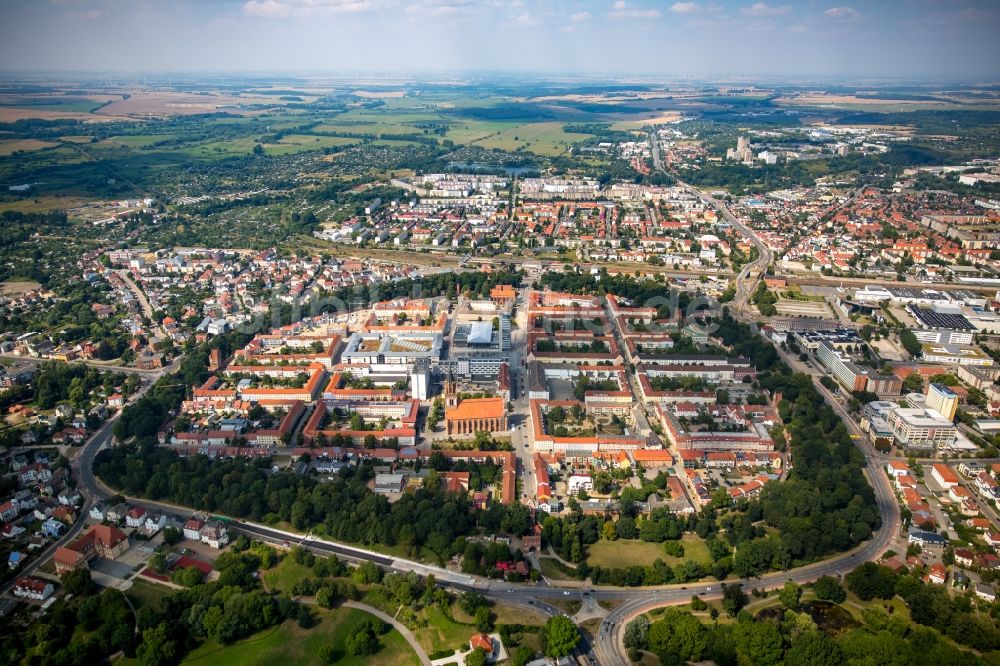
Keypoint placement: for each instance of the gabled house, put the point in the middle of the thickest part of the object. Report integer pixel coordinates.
(30, 587)
(117, 513)
(135, 517)
(192, 529)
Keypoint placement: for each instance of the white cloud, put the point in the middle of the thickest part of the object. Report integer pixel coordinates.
(267, 8)
(526, 18)
(843, 14)
(286, 8)
(581, 17)
(764, 9)
(798, 29)
(685, 7)
(621, 9)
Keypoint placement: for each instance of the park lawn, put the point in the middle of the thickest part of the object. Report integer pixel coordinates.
(552, 570)
(854, 605)
(290, 644)
(143, 593)
(284, 576)
(630, 552)
(502, 614)
(441, 632)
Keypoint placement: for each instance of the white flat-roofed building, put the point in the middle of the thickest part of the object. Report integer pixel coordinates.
(387, 484)
(920, 428)
(955, 355)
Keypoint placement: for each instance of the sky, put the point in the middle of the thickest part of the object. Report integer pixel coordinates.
(797, 39)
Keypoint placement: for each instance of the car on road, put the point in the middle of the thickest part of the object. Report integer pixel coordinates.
(566, 593)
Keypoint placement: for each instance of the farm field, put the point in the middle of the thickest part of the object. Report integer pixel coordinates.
(298, 143)
(10, 147)
(17, 287)
(40, 204)
(290, 644)
(136, 140)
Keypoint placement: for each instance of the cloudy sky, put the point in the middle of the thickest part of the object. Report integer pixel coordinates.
(705, 38)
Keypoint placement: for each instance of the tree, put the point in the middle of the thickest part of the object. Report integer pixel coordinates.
(790, 595)
(910, 342)
(172, 535)
(913, 383)
(483, 621)
(678, 635)
(733, 599)
(158, 562)
(758, 643)
(362, 640)
(522, 655)
(470, 602)
(871, 580)
(637, 633)
(828, 588)
(78, 582)
(814, 648)
(368, 573)
(187, 576)
(476, 658)
(561, 636)
(157, 649)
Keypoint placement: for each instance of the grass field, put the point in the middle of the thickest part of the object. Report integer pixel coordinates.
(143, 593)
(136, 140)
(289, 644)
(286, 574)
(298, 143)
(627, 553)
(552, 569)
(546, 138)
(9, 147)
(502, 615)
(441, 632)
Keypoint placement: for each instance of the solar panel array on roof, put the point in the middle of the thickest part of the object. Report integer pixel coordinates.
(930, 319)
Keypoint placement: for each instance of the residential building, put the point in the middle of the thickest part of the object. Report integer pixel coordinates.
(846, 372)
(30, 587)
(942, 400)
